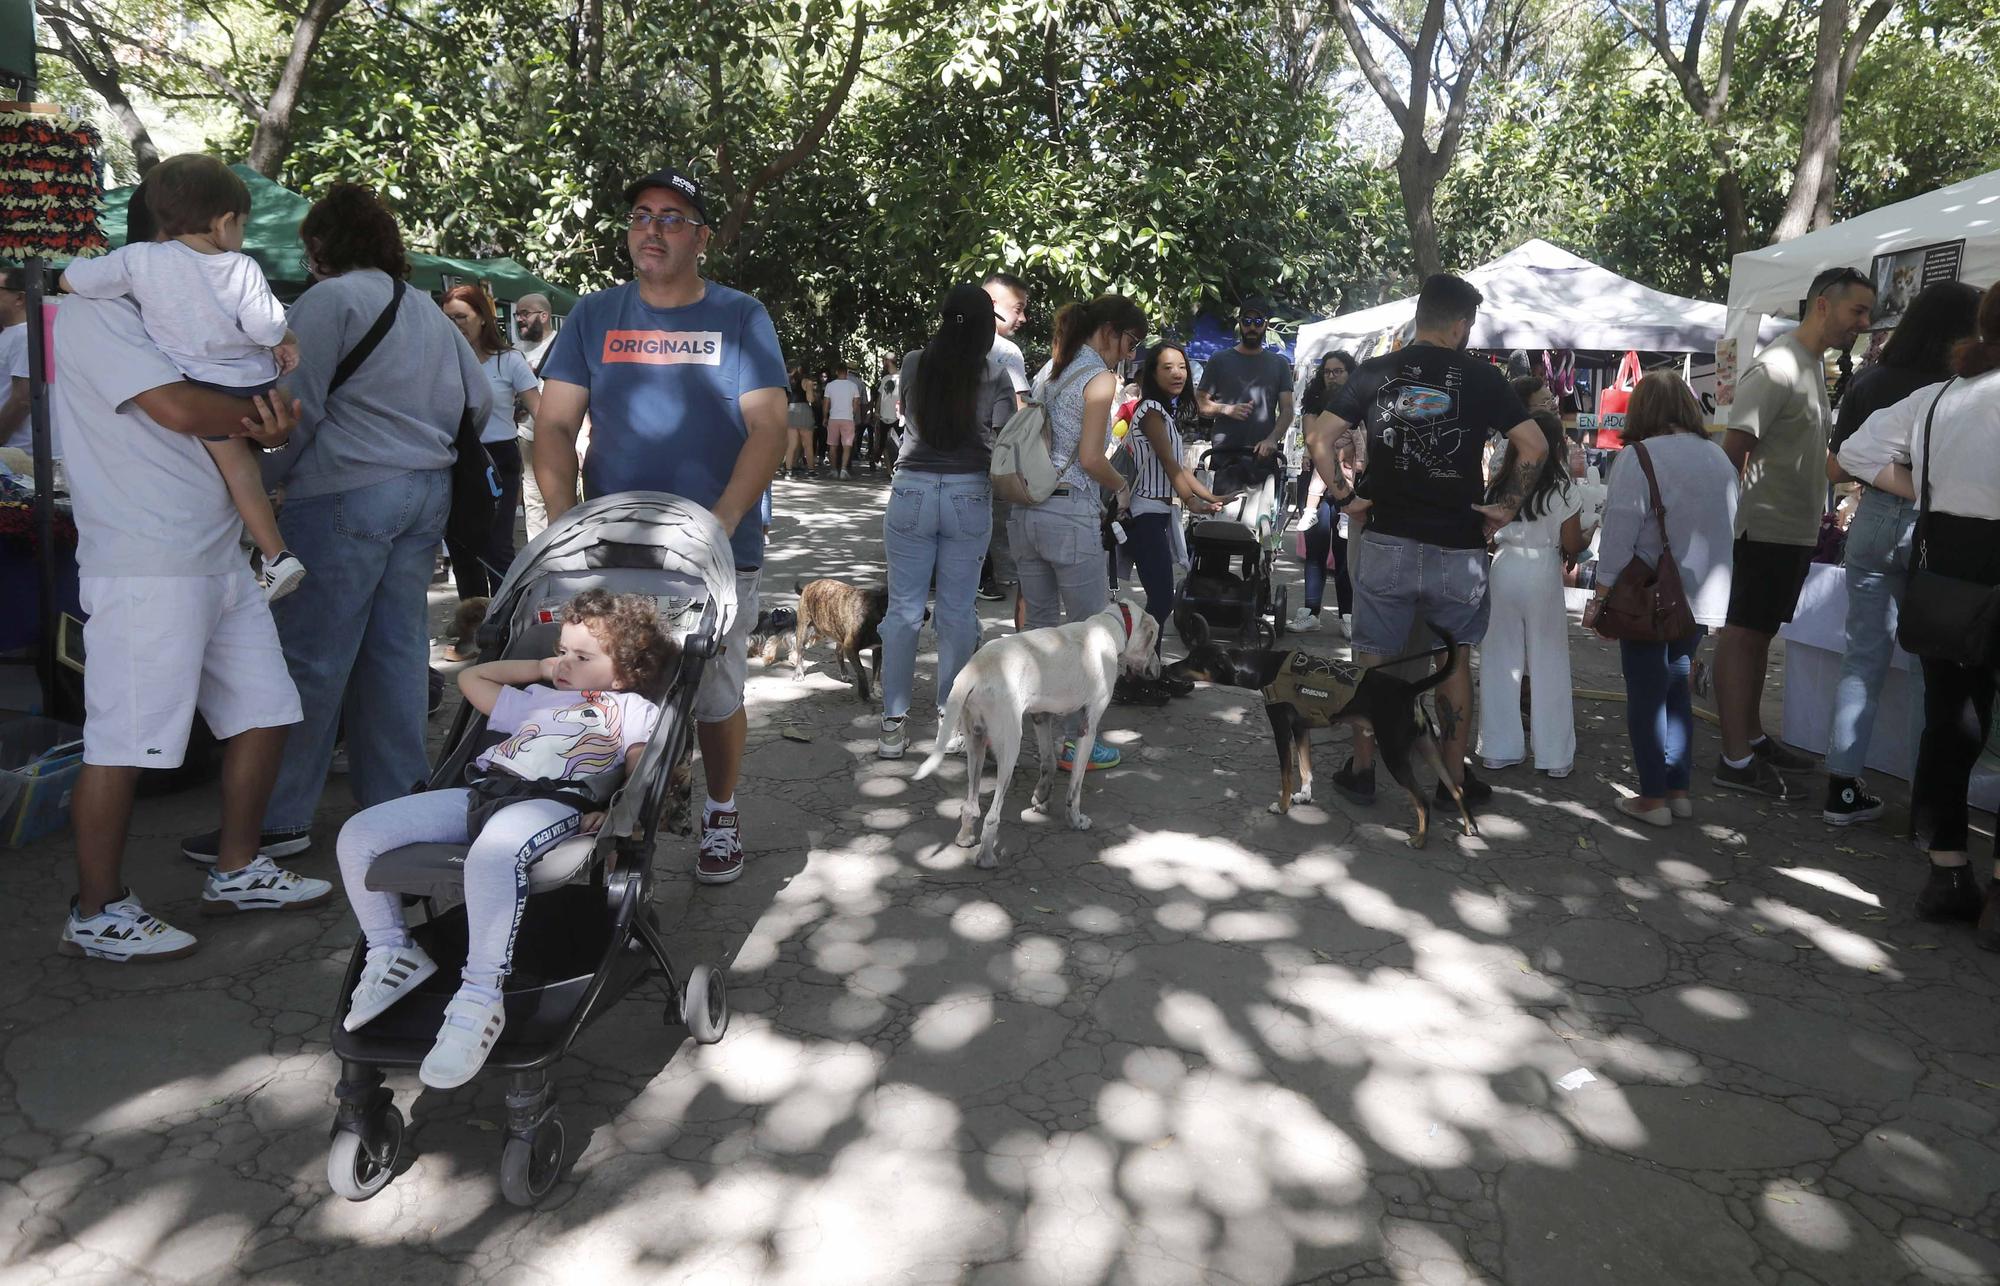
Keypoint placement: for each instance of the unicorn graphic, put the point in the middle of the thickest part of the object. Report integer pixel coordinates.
(581, 741)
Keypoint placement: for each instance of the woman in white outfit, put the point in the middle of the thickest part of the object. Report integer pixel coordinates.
(1529, 632)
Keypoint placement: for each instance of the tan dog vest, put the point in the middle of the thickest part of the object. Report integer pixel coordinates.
(1318, 687)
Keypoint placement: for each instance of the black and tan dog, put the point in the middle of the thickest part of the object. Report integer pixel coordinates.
(1303, 691)
(773, 624)
(848, 616)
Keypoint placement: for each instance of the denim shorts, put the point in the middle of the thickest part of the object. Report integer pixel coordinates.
(1399, 582)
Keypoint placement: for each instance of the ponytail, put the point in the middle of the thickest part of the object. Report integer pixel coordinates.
(943, 393)
(1077, 322)
(1978, 356)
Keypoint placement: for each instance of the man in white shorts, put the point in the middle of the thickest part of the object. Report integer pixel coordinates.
(177, 624)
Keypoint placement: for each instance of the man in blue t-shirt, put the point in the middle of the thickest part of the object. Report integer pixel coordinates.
(685, 387)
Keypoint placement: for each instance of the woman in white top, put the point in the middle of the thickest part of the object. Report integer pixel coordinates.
(477, 570)
(1529, 630)
(1959, 534)
(1698, 492)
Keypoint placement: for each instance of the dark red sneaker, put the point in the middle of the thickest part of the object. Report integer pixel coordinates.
(721, 857)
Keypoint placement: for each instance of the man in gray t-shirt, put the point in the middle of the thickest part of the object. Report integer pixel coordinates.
(1247, 389)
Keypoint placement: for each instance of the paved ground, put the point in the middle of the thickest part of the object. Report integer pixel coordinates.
(1197, 1044)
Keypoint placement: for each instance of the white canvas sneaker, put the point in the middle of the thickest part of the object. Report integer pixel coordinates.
(472, 1027)
(124, 931)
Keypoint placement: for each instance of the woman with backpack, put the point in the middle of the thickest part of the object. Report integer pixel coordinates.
(940, 507)
(1058, 544)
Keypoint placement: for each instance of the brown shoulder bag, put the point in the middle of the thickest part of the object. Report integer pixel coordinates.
(1647, 604)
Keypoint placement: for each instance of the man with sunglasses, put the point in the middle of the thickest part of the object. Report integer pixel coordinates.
(685, 386)
(1247, 389)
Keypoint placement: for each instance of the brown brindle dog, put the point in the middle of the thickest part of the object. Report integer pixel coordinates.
(849, 616)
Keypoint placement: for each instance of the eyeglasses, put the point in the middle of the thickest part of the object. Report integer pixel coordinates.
(1136, 338)
(530, 312)
(668, 221)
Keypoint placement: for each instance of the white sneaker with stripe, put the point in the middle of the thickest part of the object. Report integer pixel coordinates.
(385, 979)
(124, 931)
(472, 1025)
(261, 886)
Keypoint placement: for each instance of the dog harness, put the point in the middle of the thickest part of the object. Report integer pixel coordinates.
(1318, 687)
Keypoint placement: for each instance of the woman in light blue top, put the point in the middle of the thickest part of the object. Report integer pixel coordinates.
(1058, 544)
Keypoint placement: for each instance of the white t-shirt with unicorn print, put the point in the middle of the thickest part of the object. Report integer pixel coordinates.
(556, 735)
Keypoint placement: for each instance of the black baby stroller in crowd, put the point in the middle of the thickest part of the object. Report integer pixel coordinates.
(589, 933)
(1231, 552)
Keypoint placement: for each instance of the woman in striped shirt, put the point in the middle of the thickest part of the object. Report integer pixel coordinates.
(1147, 504)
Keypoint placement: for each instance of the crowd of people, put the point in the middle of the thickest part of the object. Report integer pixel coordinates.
(181, 418)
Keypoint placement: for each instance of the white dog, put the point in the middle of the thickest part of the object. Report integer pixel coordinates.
(1046, 673)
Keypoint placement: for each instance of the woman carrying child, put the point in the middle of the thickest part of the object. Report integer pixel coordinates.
(570, 716)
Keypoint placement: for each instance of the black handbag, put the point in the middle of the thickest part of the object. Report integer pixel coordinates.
(1945, 618)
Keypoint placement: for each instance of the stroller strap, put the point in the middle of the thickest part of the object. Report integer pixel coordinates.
(492, 791)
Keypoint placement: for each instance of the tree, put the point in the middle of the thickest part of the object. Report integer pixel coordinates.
(1443, 61)
(1835, 54)
(95, 60)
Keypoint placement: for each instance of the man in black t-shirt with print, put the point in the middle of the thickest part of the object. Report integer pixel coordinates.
(1428, 410)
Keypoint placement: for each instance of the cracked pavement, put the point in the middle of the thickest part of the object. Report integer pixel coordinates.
(1197, 1044)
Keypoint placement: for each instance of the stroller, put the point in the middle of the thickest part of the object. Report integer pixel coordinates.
(1231, 553)
(588, 934)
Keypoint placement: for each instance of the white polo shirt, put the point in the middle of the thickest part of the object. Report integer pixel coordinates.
(147, 501)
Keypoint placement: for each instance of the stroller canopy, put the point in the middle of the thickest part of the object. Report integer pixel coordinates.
(687, 538)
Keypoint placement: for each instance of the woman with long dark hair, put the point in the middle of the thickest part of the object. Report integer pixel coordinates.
(1528, 636)
(940, 507)
(1158, 478)
(477, 569)
(1057, 544)
(1960, 533)
(1319, 523)
(367, 479)
(1877, 555)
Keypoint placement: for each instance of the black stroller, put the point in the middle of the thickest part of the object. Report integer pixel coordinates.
(1232, 553)
(588, 934)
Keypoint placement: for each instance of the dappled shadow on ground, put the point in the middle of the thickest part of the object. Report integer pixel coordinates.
(1199, 1043)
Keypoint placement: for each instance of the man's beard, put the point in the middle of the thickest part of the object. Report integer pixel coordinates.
(533, 331)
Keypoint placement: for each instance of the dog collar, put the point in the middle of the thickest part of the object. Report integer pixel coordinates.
(1126, 612)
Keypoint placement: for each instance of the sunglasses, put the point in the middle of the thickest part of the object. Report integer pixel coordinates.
(1252, 321)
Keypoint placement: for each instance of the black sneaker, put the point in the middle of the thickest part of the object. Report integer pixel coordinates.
(1783, 757)
(1759, 777)
(1847, 803)
(1951, 893)
(207, 846)
(1357, 787)
(989, 592)
(1476, 792)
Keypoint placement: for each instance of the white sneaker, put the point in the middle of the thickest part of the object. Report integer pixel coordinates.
(1307, 520)
(471, 1028)
(386, 979)
(123, 931)
(281, 575)
(891, 743)
(1303, 622)
(955, 744)
(1346, 626)
(261, 886)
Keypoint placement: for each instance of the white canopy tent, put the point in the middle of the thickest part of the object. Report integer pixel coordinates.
(1902, 247)
(1540, 296)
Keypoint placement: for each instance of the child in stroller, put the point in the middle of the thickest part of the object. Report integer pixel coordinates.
(575, 722)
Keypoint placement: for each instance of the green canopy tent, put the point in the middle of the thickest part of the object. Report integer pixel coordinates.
(272, 239)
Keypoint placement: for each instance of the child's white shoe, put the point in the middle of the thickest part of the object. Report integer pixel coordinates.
(472, 1026)
(281, 575)
(385, 979)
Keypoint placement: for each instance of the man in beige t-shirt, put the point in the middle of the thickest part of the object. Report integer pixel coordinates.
(1777, 438)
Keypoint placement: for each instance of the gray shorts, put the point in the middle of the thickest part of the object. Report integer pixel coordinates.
(721, 692)
(1399, 582)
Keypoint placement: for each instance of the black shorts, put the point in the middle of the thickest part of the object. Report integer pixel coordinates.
(1765, 583)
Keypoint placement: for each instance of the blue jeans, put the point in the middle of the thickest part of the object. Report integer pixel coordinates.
(937, 523)
(1324, 541)
(1659, 712)
(356, 635)
(1149, 539)
(1878, 566)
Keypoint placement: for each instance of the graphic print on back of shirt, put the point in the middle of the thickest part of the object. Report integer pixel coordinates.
(664, 347)
(581, 740)
(1418, 424)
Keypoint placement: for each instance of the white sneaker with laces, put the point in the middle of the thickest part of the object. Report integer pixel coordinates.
(1346, 626)
(892, 740)
(955, 744)
(1307, 520)
(123, 931)
(281, 575)
(261, 886)
(472, 1026)
(385, 979)
(1303, 622)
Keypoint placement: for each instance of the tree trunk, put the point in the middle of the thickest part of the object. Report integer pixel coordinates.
(1729, 189)
(1819, 143)
(1417, 179)
(273, 139)
(101, 74)
(593, 42)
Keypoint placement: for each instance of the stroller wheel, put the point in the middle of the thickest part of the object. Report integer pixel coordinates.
(1278, 606)
(359, 1165)
(705, 1004)
(530, 1162)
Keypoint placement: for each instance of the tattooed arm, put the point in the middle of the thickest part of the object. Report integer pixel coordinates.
(1531, 447)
